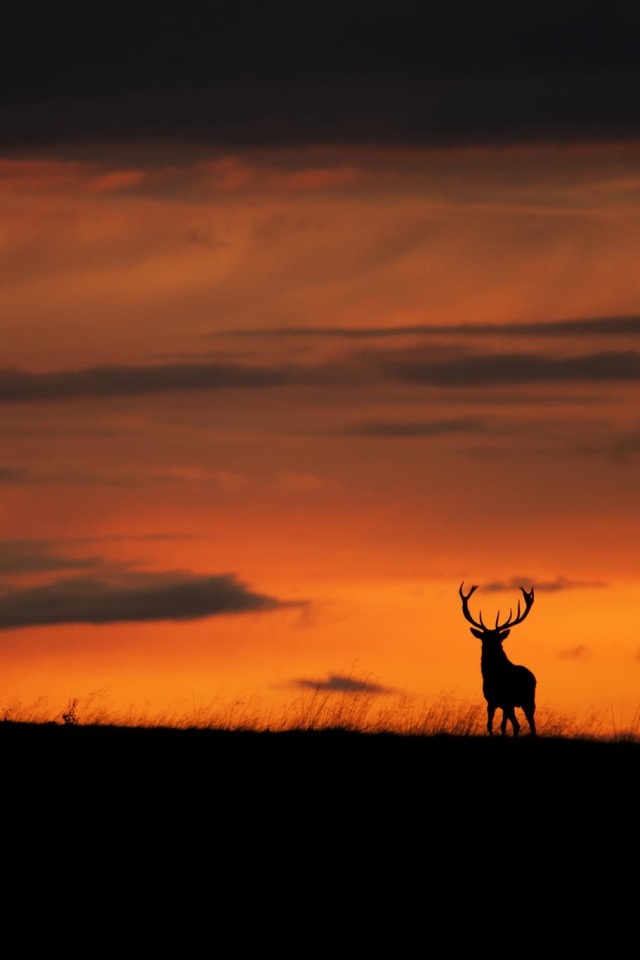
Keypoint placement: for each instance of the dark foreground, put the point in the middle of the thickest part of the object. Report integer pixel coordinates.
(340, 831)
(310, 770)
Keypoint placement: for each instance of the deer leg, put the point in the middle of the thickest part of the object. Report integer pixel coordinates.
(529, 713)
(490, 714)
(509, 714)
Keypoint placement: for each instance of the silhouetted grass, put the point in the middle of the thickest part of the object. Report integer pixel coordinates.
(316, 711)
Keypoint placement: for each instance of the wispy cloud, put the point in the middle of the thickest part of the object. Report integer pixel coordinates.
(628, 326)
(338, 683)
(406, 429)
(31, 556)
(579, 652)
(412, 368)
(27, 476)
(118, 477)
(543, 586)
(503, 369)
(39, 556)
(123, 381)
(131, 597)
(10, 476)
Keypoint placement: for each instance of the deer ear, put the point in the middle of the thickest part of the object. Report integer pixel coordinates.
(504, 635)
(477, 633)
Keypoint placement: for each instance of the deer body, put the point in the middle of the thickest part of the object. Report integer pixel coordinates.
(505, 685)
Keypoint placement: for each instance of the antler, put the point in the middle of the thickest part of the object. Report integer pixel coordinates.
(528, 603)
(465, 606)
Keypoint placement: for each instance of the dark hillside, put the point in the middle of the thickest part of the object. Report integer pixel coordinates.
(405, 770)
(311, 819)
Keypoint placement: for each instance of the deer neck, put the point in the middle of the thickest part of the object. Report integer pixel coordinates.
(493, 660)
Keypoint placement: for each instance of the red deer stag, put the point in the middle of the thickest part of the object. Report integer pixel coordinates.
(504, 684)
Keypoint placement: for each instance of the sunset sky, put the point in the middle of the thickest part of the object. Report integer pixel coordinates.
(310, 313)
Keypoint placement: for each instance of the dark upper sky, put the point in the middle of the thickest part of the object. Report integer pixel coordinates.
(250, 72)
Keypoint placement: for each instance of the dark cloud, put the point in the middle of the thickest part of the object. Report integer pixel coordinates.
(120, 381)
(25, 476)
(134, 537)
(579, 652)
(413, 367)
(38, 556)
(336, 683)
(415, 430)
(504, 369)
(131, 597)
(628, 326)
(619, 446)
(244, 72)
(542, 586)
(9, 476)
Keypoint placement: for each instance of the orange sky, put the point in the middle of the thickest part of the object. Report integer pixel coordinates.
(335, 381)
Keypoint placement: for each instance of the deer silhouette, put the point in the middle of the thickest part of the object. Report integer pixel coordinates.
(505, 685)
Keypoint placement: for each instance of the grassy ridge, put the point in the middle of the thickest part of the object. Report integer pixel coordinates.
(317, 710)
(202, 753)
